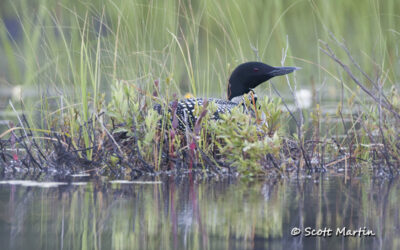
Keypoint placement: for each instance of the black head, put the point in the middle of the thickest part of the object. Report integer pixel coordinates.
(249, 75)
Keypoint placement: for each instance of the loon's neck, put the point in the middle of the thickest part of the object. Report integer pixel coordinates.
(241, 98)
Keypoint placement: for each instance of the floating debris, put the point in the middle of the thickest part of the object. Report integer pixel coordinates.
(134, 182)
(80, 175)
(79, 183)
(28, 183)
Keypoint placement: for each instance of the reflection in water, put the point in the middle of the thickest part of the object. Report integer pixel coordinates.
(183, 214)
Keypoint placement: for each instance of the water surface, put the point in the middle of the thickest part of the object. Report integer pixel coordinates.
(174, 213)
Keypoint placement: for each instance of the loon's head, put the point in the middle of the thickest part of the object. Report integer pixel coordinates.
(249, 75)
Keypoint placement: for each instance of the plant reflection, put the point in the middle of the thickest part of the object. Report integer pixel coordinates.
(192, 214)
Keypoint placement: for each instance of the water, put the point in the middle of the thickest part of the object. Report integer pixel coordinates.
(177, 213)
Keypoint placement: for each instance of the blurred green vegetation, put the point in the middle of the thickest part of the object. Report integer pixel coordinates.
(194, 43)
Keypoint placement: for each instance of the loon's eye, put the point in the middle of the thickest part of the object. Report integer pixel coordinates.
(256, 69)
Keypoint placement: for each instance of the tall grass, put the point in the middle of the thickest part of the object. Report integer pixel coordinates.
(194, 43)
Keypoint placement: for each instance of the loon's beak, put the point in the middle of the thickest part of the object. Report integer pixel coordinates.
(279, 71)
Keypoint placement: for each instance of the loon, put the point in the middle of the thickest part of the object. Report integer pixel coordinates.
(243, 80)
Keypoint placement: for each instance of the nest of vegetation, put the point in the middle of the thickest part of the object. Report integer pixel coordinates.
(150, 143)
(238, 143)
(128, 137)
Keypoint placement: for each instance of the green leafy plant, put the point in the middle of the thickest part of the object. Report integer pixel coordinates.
(246, 142)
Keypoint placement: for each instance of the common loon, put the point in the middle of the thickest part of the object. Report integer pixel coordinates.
(243, 79)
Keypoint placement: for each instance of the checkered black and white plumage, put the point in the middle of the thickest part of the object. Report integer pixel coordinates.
(186, 107)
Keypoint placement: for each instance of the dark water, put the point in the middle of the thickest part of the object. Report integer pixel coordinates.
(184, 214)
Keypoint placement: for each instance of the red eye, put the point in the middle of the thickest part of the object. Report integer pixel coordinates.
(256, 69)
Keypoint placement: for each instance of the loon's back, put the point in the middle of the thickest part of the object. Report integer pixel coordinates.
(186, 108)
